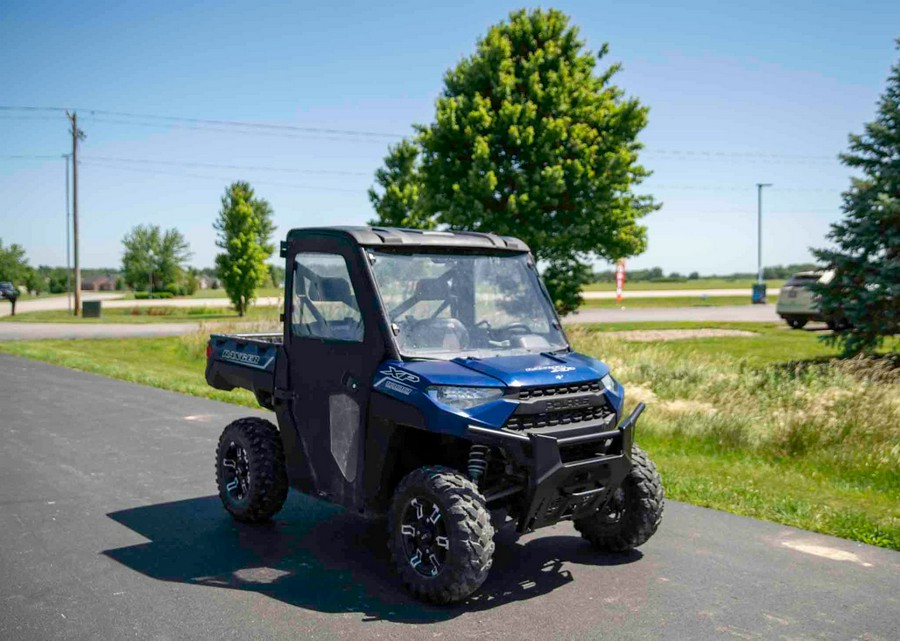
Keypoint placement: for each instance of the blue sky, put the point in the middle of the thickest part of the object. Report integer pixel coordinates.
(739, 93)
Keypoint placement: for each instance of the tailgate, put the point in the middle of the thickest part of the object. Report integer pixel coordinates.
(245, 361)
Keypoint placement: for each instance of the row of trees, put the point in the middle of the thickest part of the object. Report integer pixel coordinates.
(156, 260)
(14, 268)
(657, 275)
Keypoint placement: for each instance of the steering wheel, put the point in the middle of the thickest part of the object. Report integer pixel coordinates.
(518, 328)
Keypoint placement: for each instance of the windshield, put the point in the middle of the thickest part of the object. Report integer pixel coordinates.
(444, 306)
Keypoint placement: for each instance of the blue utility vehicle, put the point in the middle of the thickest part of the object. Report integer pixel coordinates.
(425, 376)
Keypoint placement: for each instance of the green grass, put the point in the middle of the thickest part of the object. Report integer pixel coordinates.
(167, 363)
(700, 283)
(153, 314)
(263, 292)
(674, 301)
(770, 426)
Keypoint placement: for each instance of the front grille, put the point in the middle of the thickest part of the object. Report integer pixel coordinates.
(564, 417)
(559, 390)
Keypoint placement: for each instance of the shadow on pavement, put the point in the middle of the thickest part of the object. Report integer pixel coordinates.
(318, 557)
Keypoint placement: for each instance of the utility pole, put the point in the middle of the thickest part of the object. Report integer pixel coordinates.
(77, 135)
(68, 241)
(759, 266)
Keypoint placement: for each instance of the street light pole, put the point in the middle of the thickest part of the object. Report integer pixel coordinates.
(759, 266)
(68, 242)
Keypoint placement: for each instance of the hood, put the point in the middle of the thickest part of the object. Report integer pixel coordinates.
(524, 370)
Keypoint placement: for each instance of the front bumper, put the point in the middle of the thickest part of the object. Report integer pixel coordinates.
(561, 484)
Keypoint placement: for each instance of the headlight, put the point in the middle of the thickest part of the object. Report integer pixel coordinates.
(463, 398)
(609, 383)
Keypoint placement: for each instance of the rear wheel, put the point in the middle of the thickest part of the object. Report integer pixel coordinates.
(250, 471)
(796, 323)
(440, 535)
(633, 512)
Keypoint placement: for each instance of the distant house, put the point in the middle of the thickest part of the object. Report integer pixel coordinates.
(208, 282)
(102, 283)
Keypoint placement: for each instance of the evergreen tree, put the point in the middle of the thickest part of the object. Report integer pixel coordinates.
(863, 298)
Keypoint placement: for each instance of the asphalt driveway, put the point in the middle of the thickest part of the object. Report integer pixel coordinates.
(111, 530)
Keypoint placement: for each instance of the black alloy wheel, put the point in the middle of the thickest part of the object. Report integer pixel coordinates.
(424, 536)
(250, 470)
(633, 512)
(440, 534)
(236, 472)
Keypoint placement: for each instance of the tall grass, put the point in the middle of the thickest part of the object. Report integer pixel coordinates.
(845, 414)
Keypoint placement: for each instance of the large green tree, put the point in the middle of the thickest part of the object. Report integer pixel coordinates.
(13, 264)
(397, 200)
(245, 231)
(531, 140)
(154, 258)
(865, 291)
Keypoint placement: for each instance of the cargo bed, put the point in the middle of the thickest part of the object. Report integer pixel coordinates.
(246, 361)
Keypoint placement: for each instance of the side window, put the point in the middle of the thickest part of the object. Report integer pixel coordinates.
(325, 303)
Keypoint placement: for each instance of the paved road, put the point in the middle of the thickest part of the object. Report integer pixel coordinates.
(111, 300)
(678, 293)
(111, 530)
(52, 303)
(11, 331)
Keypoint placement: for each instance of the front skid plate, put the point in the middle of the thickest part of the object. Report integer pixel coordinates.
(559, 490)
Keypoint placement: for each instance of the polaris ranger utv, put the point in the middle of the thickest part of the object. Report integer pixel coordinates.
(425, 376)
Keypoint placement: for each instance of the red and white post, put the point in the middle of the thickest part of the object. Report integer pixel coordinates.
(620, 280)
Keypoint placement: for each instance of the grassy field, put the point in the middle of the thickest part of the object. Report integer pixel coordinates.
(769, 425)
(263, 292)
(675, 301)
(700, 283)
(139, 315)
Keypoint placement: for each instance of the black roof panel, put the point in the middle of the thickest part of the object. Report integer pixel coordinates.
(397, 237)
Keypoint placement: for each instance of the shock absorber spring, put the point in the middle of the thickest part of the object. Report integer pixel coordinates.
(478, 460)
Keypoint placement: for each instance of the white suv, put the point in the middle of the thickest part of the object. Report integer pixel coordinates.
(797, 305)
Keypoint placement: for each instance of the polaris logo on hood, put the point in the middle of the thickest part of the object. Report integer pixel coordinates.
(553, 369)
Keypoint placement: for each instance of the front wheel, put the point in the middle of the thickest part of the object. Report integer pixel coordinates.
(440, 535)
(633, 512)
(250, 470)
(796, 323)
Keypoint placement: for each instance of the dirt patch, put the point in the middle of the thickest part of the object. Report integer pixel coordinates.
(649, 335)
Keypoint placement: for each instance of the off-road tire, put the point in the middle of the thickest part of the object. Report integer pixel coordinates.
(643, 508)
(796, 323)
(468, 527)
(268, 483)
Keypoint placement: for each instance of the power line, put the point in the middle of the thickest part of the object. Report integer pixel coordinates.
(123, 162)
(100, 165)
(232, 131)
(199, 165)
(29, 157)
(209, 121)
(258, 128)
(205, 165)
(748, 155)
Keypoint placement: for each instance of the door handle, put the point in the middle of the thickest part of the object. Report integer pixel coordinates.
(350, 382)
